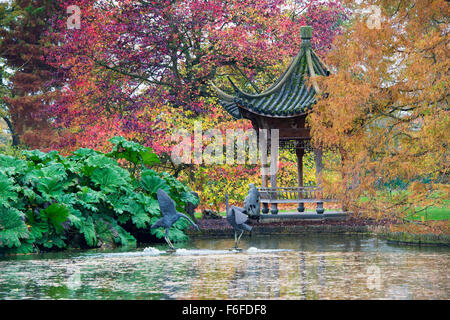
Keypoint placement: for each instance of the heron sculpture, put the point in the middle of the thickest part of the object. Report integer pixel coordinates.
(252, 204)
(170, 215)
(237, 218)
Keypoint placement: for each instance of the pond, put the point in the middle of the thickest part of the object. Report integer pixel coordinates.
(302, 267)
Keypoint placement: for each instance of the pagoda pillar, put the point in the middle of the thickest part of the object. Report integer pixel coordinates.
(300, 153)
(273, 171)
(264, 166)
(318, 154)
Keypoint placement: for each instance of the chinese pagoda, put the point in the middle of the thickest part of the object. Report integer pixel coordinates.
(284, 106)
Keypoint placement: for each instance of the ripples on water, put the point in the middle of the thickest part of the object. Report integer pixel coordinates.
(307, 267)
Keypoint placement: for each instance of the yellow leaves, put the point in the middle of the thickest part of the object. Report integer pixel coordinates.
(386, 108)
(417, 188)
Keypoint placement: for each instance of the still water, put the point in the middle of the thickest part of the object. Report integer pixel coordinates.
(301, 267)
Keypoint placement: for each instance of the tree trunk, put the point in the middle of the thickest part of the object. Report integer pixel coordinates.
(14, 135)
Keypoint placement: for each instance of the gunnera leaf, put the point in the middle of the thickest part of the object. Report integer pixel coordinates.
(12, 227)
(107, 179)
(151, 182)
(56, 214)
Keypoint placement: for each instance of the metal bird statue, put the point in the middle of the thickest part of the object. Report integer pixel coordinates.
(252, 205)
(170, 215)
(237, 218)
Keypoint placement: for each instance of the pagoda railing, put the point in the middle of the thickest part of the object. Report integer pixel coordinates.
(294, 195)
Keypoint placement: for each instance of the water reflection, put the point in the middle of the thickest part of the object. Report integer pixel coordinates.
(314, 267)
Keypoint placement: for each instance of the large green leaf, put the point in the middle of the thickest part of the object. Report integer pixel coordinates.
(68, 198)
(8, 192)
(12, 227)
(94, 161)
(188, 197)
(152, 207)
(83, 153)
(50, 187)
(133, 152)
(56, 214)
(37, 156)
(37, 228)
(148, 204)
(151, 182)
(107, 178)
(118, 202)
(149, 157)
(54, 170)
(49, 180)
(99, 161)
(138, 213)
(88, 230)
(11, 165)
(89, 199)
(26, 246)
(140, 219)
(76, 219)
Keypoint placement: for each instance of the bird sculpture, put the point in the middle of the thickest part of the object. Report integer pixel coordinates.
(252, 205)
(170, 215)
(237, 218)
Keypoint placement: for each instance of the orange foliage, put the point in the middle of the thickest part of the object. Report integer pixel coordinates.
(386, 109)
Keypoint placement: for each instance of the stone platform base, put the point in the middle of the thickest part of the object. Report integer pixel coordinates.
(308, 215)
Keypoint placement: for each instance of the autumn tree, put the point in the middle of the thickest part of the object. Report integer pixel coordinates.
(130, 62)
(31, 87)
(142, 69)
(385, 108)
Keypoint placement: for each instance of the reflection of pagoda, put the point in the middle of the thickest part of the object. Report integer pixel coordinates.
(284, 106)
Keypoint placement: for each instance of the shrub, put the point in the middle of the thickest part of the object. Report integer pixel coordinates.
(49, 202)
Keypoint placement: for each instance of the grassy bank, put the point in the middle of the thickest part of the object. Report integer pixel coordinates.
(432, 213)
(417, 239)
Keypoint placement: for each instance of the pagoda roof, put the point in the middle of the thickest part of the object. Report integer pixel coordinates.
(289, 96)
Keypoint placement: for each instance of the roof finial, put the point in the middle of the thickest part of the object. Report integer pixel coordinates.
(306, 32)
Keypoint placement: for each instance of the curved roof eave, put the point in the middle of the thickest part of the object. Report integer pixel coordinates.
(287, 97)
(271, 115)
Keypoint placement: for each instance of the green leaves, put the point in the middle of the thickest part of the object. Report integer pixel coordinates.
(151, 182)
(50, 187)
(107, 179)
(133, 152)
(50, 202)
(8, 192)
(88, 230)
(37, 156)
(176, 233)
(56, 215)
(89, 199)
(12, 228)
(11, 166)
(140, 219)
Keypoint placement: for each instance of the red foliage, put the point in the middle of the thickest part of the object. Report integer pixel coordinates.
(132, 58)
